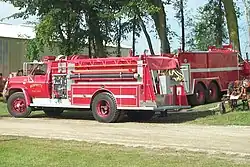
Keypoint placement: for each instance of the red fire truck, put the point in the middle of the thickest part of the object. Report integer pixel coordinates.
(138, 86)
(207, 74)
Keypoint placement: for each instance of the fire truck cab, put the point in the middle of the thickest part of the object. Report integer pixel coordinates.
(109, 87)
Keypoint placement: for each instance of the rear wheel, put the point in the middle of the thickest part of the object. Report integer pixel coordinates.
(53, 112)
(140, 116)
(199, 96)
(104, 108)
(213, 92)
(17, 107)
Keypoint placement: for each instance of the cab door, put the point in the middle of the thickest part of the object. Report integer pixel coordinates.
(39, 82)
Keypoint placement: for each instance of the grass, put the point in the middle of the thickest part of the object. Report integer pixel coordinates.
(3, 110)
(22, 151)
(205, 107)
(232, 118)
(236, 117)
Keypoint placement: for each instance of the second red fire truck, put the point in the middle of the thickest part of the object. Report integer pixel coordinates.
(207, 74)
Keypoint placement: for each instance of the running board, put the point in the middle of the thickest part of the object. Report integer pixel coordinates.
(165, 108)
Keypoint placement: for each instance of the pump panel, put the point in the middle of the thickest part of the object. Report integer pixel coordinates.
(59, 86)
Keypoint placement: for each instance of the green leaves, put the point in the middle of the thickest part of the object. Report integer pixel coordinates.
(66, 24)
(33, 50)
(209, 27)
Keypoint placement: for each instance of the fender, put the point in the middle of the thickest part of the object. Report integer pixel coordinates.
(206, 82)
(26, 95)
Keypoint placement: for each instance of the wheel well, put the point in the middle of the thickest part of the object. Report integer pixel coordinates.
(216, 83)
(12, 91)
(218, 86)
(202, 84)
(96, 93)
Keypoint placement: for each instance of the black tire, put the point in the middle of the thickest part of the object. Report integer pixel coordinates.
(104, 108)
(53, 112)
(199, 96)
(140, 116)
(17, 107)
(222, 108)
(213, 94)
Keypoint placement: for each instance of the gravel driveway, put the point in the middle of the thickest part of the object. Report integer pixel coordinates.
(212, 139)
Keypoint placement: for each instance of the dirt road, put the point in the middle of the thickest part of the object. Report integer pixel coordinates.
(232, 140)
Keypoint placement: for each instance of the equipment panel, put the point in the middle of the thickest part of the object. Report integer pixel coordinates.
(59, 86)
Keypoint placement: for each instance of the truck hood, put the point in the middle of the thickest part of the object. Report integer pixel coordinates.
(17, 79)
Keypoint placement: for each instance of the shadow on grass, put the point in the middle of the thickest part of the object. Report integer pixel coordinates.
(182, 117)
(75, 115)
(173, 117)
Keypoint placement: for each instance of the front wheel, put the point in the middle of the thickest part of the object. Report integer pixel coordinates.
(104, 108)
(17, 107)
(53, 112)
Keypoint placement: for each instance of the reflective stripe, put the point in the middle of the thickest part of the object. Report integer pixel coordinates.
(216, 69)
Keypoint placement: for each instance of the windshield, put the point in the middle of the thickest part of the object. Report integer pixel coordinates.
(34, 69)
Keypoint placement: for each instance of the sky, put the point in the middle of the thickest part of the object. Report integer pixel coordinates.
(141, 42)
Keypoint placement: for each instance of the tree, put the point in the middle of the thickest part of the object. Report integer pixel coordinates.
(160, 21)
(179, 6)
(247, 11)
(232, 23)
(143, 26)
(33, 50)
(59, 23)
(209, 27)
(67, 24)
(136, 11)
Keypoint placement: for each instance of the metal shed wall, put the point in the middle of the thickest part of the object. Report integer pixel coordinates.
(13, 51)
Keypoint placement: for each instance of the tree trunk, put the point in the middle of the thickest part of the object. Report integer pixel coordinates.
(99, 45)
(232, 23)
(161, 25)
(119, 38)
(90, 47)
(182, 26)
(219, 25)
(94, 26)
(133, 38)
(147, 36)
